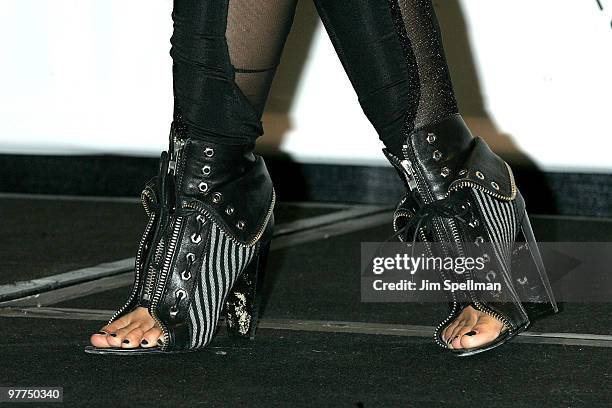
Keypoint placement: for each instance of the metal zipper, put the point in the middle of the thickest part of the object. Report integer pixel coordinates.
(469, 183)
(137, 269)
(161, 281)
(177, 149)
(147, 193)
(158, 285)
(150, 281)
(480, 307)
(419, 184)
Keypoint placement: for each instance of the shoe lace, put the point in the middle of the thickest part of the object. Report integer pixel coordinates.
(452, 207)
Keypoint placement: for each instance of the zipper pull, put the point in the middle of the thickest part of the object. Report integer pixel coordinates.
(168, 185)
(407, 166)
(409, 173)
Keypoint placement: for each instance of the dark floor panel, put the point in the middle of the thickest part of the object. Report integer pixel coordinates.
(320, 281)
(308, 369)
(46, 237)
(288, 212)
(560, 229)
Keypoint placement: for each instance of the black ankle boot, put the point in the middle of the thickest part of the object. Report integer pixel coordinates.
(210, 223)
(463, 194)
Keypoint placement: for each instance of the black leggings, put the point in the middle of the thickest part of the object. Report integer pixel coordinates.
(225, 54)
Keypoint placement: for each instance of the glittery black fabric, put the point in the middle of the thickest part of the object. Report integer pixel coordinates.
(225, 53)
(392, 52)
(437, 100)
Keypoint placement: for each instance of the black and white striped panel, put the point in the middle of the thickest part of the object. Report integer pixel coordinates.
(501, 223)
(221, 267)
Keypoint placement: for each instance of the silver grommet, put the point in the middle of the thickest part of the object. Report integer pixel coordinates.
(180, 294)
(201, 218)
(173, 311)
(229, 210)
(431, 137)
(437, 155)
(240, 224)
(190, 257)
(206, 170)
(486, 257)
(495, 185)
(196, 239)
(185, 275)
(209, 152)
(479, 240)
(463, 172)
(203, 187)
(217, 198)
(480, 175)
(445, 172)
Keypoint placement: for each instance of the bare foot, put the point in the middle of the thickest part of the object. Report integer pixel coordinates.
(135, 329)
(472, 328)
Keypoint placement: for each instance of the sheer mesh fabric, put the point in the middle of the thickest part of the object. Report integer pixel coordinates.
(256, 34)
(225, 53)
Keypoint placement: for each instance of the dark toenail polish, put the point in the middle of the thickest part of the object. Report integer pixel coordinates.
(470, 333)
(102, 333)
(144, 342)
(114, 334)
(126, 341)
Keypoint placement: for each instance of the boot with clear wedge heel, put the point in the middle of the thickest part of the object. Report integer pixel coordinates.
(463, 195)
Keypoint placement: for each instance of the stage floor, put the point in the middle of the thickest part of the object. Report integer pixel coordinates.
(65, 266)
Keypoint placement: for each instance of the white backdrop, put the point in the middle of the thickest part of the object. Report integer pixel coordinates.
(93, 76)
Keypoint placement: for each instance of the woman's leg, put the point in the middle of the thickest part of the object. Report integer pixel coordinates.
(225, 54)
(393, 54)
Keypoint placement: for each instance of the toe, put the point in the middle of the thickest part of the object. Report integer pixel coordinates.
(453, 337)
(149, 339)
(456, 343)
(459, 333)
(115, 339)
(480, 335)
(450, 329)
(102, 337)
(118, 324)
(133, 338)
(99, 339)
